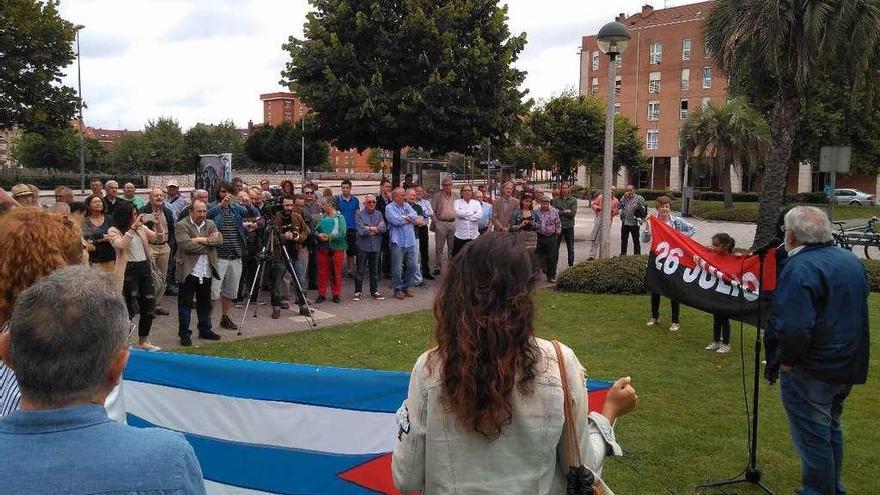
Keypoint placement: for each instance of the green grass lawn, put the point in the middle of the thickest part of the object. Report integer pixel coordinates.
(748, 212)
(690, 425)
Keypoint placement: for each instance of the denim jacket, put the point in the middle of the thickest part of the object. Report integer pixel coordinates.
(677, 223)
(438, 456)
(239, 212)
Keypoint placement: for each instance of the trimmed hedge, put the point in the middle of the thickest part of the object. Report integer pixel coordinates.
(626, 275)
(49, 182)
(728, 215)
(719, 196)
(810, 198)
(619, 275)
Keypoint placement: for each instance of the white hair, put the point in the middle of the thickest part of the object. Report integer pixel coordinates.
(808, 224)
(110, 183)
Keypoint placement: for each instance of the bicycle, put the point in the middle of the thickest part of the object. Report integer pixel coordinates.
(864, 235)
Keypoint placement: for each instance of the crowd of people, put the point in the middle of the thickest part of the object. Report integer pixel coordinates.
(67, 329)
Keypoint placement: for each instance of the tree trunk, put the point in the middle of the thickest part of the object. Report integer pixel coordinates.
(782, 123)
(724, 179)
(395, 168)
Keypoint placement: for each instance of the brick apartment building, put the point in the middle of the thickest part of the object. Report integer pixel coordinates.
(664, 74)
(286, 107)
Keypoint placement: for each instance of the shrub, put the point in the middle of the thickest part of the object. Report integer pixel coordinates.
(728, 215)
(872, 267)
(619, 275)
(809, 198)
(719, 196)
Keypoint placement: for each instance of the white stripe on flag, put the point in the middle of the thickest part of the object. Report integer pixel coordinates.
(214, 488)
(282, 424)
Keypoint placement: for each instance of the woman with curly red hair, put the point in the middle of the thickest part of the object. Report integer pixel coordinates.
(484, 413)
(34, 244)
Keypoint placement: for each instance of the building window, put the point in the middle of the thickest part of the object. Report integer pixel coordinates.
(619, 59)
(616, 108)
(683, 110)
(653, 110)
(594, 85)
(653, 140)
(707, 77)
(595, 60)
(654, 82)
(685, 79)
(686, 49)
(706, 101)
(618, 84)
(656, 53)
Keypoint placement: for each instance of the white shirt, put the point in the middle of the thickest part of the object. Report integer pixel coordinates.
(425, 203)
(467, 218)
(136, 249)
(201, 270)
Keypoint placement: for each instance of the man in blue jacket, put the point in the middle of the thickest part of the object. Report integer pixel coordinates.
(818, 337)
(229, 218)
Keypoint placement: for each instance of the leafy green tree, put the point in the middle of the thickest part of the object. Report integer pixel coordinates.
(422, 73)
(35, 44)
(203, 139)
(256, 145)
(165, 148)
(772, 51)
(731, 133)
(281, 145)
(130, 153)
(570, 128)
(58, 150)
(374, 158)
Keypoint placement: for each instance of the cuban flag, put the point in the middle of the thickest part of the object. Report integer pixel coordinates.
(273, 428)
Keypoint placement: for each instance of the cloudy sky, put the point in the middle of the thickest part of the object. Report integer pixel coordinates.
(209, 60)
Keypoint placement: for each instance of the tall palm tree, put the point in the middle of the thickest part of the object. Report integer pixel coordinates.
(732, 133)
(779, 45)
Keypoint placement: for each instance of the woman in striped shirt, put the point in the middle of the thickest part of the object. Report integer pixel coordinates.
(35, 243)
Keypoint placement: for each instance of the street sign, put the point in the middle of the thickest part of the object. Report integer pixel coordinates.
(834, 159)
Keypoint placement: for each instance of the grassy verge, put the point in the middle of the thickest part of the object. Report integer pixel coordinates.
(748, 212)
(690, 426)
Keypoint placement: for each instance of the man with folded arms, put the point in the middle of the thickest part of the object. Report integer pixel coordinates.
(401, 220)
(197, 267)
(68, 347)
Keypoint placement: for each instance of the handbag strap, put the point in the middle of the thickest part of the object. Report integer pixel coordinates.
(571, 440)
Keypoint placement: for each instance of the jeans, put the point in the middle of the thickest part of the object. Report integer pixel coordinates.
(568, 237)
(137, 289)
(367, 259)
(201, 288)
(277, 271)
(813, 408)
(399, 256)
(625, 232)
(326, 257)
(655, 308)
(387, 257)
(548, 252)
(720, 329)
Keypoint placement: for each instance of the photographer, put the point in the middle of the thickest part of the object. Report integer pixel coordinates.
(290, 228)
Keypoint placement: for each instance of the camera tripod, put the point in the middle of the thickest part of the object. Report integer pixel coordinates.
(263, 258)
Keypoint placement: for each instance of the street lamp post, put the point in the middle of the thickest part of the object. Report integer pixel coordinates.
(302, 144)
(612, 40)
(82, 145)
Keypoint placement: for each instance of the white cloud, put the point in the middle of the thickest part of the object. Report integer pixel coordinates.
(209, 60)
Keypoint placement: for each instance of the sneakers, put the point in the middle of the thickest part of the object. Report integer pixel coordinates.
(399, 295)
(652, 322)
(209, 335)
(551, 280)
(186, 341)
(320, 299)
(357, 296)
(713, 346)
(407, 293)
(276, 312)
(147, 346)
(674, 327)
(377, 296)
(723, 349)
(227, 323)
(336, 299)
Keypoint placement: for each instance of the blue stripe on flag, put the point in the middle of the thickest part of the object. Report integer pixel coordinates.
(271, 469)
(344, 388)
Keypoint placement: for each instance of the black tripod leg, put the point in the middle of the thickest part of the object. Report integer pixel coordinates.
(253, 293)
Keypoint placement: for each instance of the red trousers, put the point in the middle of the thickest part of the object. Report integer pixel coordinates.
(325, 258)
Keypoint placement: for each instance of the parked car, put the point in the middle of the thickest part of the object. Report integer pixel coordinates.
(853, 197)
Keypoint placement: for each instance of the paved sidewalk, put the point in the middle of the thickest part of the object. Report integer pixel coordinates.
(164, 331)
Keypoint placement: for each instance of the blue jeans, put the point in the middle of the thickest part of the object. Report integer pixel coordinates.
(367, 259)
(813, 408)
(399, 255)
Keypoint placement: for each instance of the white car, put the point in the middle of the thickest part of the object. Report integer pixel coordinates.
(853, 197)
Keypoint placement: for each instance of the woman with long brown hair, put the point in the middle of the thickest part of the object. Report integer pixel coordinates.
(95, 227)
(484, 413)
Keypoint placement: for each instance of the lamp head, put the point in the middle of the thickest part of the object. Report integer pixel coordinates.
(78, 27)
(613, 38)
